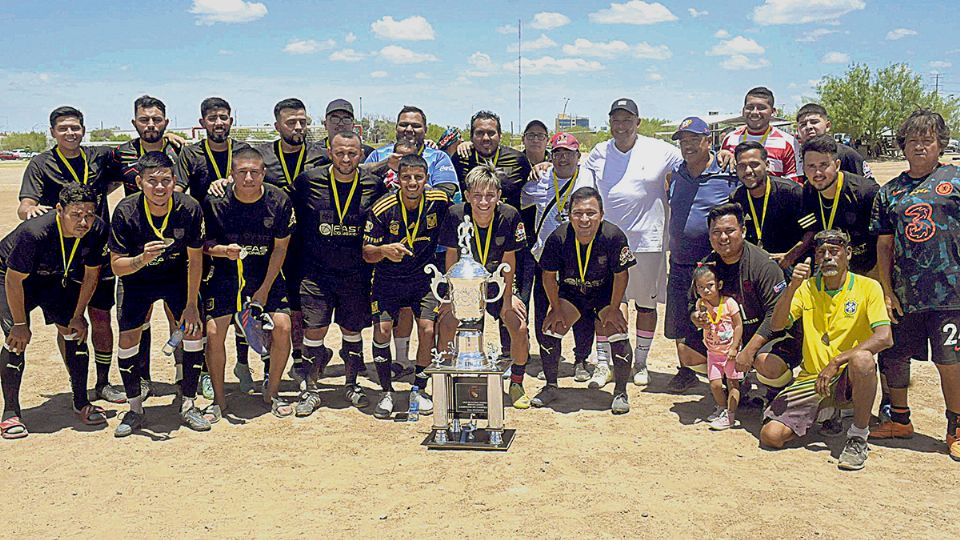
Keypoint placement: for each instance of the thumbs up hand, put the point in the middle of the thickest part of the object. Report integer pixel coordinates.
(801, 272)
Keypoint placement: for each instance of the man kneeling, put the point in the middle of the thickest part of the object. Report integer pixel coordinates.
(845, 324)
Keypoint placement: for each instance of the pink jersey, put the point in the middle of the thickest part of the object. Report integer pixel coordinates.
(718, 336)
(783, 152)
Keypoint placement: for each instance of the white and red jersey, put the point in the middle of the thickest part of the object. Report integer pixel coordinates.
(783, 151)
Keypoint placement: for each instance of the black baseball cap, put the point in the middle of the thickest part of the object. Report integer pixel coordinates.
(625, 104)
(339, 105)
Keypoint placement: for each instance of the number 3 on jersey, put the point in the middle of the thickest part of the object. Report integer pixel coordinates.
(921, 228)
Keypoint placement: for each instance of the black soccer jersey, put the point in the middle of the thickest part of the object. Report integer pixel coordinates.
(329, 236)
(36, 248)
(777, 216)
(126, 156)
(197, 170)
(47, 173)
(853, 216)
(131, 229)
(512, 163)
(253, 226)
(609, 254)
(282, 172)
(488, 244)
(418, 229)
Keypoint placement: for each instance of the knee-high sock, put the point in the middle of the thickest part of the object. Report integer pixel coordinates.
(315, 357)
(77, 358)
(193, 362)
(622, 356)
(11, 375)
(102, 360)
(266, 363)
(143, 356)
(550, 356)
(420, 380)
(603, 350)
(382, 359)
(129, 374)
(402, 345)
(504, 340)
(582, 339)
(351, 350)
(644, 339)
(242, 349)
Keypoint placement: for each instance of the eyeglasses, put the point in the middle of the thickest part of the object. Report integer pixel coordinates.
(535, 136)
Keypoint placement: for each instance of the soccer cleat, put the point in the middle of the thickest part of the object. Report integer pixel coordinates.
(519, 397)
(854, 455)
(131, 422)
(356, 396)
(145, 390)
(193, 419)
(682, 381)
(620, 404)
(892, 430)
(246, 379)
(206, 385)
(425, 403)
(399, 370)
(547, 395)
(580, 373)
(601, 376)
(384, 407)
(111, 393)
(309, 402)
(641, 377)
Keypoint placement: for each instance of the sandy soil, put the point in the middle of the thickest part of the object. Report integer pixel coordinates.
(572, 471)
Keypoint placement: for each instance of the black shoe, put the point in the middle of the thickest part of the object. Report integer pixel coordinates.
(682, 381)
(131, 422)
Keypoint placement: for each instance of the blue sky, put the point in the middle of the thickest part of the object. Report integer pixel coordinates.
(450, 58)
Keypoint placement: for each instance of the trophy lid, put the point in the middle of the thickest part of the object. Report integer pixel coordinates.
(467, 268)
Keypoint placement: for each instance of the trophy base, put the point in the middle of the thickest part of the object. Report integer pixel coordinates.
(479, 441)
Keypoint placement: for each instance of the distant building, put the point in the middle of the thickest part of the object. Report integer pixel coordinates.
(565, 122)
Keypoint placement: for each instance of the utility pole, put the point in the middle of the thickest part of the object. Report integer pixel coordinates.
(936, 84)
(519, 73)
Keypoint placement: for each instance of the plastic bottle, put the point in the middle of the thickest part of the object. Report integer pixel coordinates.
(175, 338)
(413, 410)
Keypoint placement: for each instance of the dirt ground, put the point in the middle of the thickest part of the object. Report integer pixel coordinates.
(573, 471)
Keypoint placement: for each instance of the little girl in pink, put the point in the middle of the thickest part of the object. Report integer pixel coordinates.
(719, 316)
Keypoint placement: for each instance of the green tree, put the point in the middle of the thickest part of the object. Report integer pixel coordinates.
(33, 141)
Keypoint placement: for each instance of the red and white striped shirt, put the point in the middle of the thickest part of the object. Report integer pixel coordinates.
(783, 151)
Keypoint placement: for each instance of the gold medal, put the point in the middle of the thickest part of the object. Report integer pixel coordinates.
(167, 242)
(825, 339)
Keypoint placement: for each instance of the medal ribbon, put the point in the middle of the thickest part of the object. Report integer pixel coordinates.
(758, 223)
(719, 313)
(836, 203)
(296, 171)
(483, 252)
(216, 168)
(166, 218)
(406, 225)
(763, 139)
(144, 151)
(580, 264)
(356, 180)
(241, 283)
(562, 201)
(73, 173)
(67, 263)
(496, 158)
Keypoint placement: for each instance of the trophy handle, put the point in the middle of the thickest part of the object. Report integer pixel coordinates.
(497, 277)
(438, 278)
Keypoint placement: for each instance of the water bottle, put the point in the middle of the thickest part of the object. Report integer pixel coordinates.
(175, 338)
(413, 410)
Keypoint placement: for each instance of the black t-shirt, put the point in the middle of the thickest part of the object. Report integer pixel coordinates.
(781, 230)
(130, 231)
(253, 226)
(313, 156)
(196, 170)
(327, 246)
(853, 216)
(34, 248)
(508, 234)
(386, 225)
(127, 155)
(610, 254)
(850, 160)
(47, 174)
(512, 163)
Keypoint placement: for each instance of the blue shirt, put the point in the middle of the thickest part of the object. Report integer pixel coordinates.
(690, 200)
(439, 167)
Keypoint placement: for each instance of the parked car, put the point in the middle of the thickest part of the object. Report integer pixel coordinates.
(6, 155)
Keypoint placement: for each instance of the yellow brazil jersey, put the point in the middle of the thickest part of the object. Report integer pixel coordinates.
(835, 321)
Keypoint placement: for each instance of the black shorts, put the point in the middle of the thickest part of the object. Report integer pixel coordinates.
(911, 336)
(104, 296)
(344, 300)
(134, 301)
(389, 297)
(56, 299)
(788, 346)
(676, 320)
(220, 296)
(292, 276)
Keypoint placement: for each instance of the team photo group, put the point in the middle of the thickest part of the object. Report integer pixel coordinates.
(792, 281)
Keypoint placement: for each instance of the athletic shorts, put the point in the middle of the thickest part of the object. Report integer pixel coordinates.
(345, 301)
(292, 276)
(56, 300)
(911, 336)
(718, 367)
(104, 296)
(798, 405)
(788, 347)
(389, 297)
(220, 296)
(134, 301)
(676, 320)
(648, 280)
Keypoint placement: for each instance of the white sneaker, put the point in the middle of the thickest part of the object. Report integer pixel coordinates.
(721, 422)
(601, 376)
(716, 413)
(425, 404)
(641, 377)
(384, 407)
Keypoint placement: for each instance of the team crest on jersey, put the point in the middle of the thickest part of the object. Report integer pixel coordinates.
(625, 255)
(368, 227)
(293, 219)
(394, 227)
(325, 229)
(521, 234)
(944, 188)
(374, 308)
(431, 221)
(268, 222)
(850, 307)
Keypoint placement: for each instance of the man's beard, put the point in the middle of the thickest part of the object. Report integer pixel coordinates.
(151, 136)
(218, 137)
(294, 139)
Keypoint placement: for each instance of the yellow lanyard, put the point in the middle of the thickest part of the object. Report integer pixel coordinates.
(241, 283)
(836, 202)
(562, 201)
(216, 168)
(762, 139)
(166, 218)
(406, 225)
(580, 264)
(758, 223)
(67, 263)
(719, 313)
(483, 252)
(73, 173)
(162, 148)
(296, 171)
(496, 158)
(341, 213)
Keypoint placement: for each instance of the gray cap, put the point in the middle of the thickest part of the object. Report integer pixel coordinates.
(625, 104)
(339, 105)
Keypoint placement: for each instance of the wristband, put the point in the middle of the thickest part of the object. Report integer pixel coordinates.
(19, 324)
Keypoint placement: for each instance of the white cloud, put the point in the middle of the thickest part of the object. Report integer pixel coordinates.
(481, 65)
(815, 35)
(227, 11)
(739, 62)
(554, 66)
(721, 34)
(548, 20)
(652, 52)
(414, 28)
(347, 55)
(940, 64)
(542, 42)
(379, 74)
(308, 46)
(399, 55)
(694, 13)
(421, 75)
(835, 57)
(900, 33)
(612, 49)
(350, 37)
(654, 76)
(804, 11)
(736, 46)
(507, 29)
(633, 12)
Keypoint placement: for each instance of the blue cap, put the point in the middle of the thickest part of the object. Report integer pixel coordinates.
(692, 124)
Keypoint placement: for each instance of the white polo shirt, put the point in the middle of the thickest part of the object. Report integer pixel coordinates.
(632, 187)
(542, 194)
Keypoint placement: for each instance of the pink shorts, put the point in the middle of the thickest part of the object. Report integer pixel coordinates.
(718, 366)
